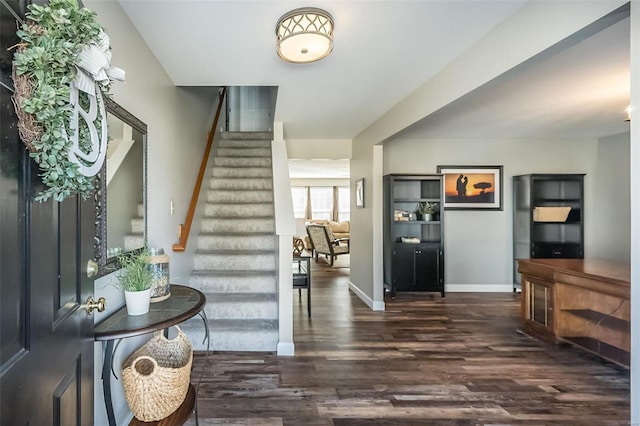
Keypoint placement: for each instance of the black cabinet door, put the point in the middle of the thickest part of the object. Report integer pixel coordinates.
(426, 269)
(404, 268)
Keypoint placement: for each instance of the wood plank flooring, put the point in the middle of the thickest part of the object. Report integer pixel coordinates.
(424, 361)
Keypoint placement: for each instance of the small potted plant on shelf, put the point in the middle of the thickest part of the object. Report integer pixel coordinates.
(134, 277)
(426, 210)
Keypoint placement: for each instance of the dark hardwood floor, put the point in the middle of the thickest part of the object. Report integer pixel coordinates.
(424, 361)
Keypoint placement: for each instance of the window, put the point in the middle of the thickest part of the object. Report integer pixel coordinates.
(299, 198)
(321, 202)
(344, 203)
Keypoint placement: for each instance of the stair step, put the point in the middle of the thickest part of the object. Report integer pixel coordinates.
(233, 335)
(234, 281)
(246, 135)
(239, 196)
(241, 172)
(234, 241)
(244, 143)
(244, 152)
(239, 210)
(235, 260)
(137, 225)
(242, 161)
(241, 306)
(241, 183)
(140, 210)
(237, 225)
(133, 241)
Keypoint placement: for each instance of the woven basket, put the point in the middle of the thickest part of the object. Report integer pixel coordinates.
(156, 376)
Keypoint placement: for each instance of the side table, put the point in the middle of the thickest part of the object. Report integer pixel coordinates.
(184, 303)
(302, 275)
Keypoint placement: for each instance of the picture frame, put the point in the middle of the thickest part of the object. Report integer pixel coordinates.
(360, 193)
(471, 187)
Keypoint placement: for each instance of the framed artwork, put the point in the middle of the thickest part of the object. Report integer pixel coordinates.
(472, 187)
(360, 193)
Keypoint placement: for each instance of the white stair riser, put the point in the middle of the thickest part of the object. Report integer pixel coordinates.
(237, 225)
(242, 162)
(234, 284)
(240, 262)
(238, 210)
(244, 152)
(242, 184)
(236, 172)
(229, 196)
(236, 242)
(141, 210)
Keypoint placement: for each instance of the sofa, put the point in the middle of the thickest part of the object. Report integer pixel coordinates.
(340, 230)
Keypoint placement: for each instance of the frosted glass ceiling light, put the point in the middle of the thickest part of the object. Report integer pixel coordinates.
(305, 35)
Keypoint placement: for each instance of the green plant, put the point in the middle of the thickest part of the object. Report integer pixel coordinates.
(134, 273)
(52, 37)
(427, 207)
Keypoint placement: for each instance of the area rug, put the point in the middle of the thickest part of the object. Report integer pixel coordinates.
(341, 261)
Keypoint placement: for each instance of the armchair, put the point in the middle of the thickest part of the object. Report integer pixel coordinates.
(324, 242)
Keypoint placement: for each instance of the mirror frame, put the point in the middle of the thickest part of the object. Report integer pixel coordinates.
(105, 265)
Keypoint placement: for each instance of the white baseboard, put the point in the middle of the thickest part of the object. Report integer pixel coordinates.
(479, 288)
(286, 349)
(375, 306)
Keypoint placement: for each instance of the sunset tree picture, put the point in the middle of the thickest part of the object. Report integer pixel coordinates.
(477, 187)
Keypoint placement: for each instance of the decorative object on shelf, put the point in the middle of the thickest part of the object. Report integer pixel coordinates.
(410, 240)
(426, 210)
(551, 214)
(60, 69)
(304, 35)
(360, 193)
(134, 278)
(401, 216)
(472, 187)
(298, 246)
(160, 278)
(156, 376)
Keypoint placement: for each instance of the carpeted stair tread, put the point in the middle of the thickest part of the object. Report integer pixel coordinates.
(236, 257)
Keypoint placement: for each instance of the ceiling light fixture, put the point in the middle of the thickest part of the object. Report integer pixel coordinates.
(305, 35)
(628, 110)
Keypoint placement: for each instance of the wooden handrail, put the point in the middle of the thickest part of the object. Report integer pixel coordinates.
(183, 229)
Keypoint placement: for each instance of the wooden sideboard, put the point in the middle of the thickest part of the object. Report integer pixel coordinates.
(585, 302)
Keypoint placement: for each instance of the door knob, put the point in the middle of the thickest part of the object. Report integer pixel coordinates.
(100, 305)
(92, 268)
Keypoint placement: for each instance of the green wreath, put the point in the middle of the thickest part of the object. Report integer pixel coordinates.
(44, 67)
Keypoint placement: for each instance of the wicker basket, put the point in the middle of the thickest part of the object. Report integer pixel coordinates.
(156, 376)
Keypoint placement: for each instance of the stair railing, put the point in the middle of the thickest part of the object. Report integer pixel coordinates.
(183, 229)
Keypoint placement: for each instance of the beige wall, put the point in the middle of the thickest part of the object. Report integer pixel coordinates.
(478, 244)
(178, 121)
(492, 56)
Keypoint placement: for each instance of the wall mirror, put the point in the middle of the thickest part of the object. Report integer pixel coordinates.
(121, 196)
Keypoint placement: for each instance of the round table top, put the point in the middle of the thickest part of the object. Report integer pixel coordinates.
(184, 303)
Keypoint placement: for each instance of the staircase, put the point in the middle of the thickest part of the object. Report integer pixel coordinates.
(135, 239)
(235, 262)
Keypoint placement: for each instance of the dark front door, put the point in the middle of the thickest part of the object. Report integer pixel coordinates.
(46, 335)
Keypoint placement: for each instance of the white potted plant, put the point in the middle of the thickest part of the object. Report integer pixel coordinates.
(426, 210)
(134, 278)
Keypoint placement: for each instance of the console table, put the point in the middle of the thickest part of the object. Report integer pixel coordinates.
(184, 303)
(585, 302)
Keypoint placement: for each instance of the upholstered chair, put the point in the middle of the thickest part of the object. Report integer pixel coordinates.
(324, 243)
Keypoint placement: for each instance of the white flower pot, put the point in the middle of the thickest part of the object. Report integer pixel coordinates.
(137, 301)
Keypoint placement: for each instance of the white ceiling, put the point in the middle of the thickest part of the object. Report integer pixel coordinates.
(383, 51)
